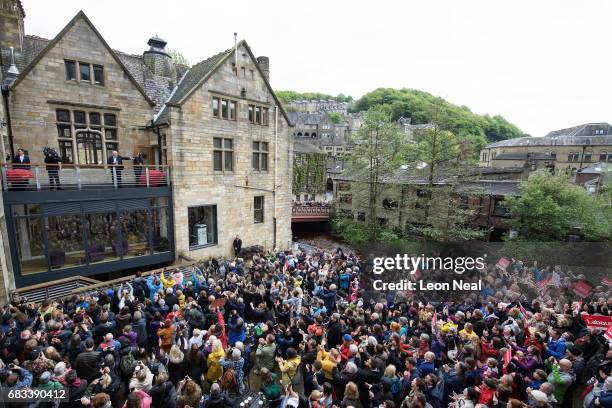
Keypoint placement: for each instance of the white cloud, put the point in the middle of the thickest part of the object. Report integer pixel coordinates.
(541, 64)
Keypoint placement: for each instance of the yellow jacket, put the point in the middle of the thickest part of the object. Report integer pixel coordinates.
(181, 300)
(168, 283)
(327, 363)
(289, 369)
(215, 371)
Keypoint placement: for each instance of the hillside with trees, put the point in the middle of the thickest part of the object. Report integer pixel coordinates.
(420, 107)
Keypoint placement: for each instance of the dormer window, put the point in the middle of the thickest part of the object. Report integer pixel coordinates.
(599, 131)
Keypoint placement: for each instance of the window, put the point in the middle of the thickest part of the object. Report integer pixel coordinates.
(65, 151)
(202, 224)
(232, 110)
(605, 156)
(98, 71)
(573, 156)
(499, 210)
(243, 72)
(260, 156)
(587, 157)
(70, 70)
(258, 115)
(215, 106)
(89, 145)
(252, 73)
(599, 131)
(383, 222)
(258, 209)
(224, 108)
(223, 154)
(389, 204)
(553, 155)
(361, 216)
(85, 73)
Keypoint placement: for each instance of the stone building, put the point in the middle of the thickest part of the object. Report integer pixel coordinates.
(309, 170)
(217, 145)
(564, 150)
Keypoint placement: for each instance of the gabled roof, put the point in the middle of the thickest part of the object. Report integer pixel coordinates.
(80, 15)
(200, 72)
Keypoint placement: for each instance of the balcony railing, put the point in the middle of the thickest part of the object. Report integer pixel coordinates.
(36, 177)
(305, 210)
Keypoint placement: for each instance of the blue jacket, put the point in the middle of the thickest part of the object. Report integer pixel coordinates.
(425, 367)
(153, 288)
(330, 300)
(556, 348)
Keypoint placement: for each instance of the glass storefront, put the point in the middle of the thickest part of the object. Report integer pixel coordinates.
(90, 233)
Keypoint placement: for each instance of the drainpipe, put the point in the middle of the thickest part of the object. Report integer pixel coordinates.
(5, 95)
(275, 167)
(159, 142)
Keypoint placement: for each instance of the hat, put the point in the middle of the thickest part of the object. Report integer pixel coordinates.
(169, 290)
(44, 377)
(347, 337)
(539, 396)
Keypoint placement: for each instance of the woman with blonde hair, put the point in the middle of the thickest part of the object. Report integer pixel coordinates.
(351, 396)
(176, 364)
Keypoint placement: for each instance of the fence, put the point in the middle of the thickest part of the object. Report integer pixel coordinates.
(28, 177)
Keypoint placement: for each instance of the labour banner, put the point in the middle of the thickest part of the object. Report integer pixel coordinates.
(596, 321)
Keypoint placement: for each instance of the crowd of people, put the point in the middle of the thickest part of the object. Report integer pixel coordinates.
(303, 330)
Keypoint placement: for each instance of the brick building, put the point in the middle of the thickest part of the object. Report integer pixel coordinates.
(215, 140)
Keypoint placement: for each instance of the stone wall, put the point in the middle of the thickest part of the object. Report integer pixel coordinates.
(190, 152)
(33, 116)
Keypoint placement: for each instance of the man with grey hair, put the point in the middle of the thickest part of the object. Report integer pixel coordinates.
(561, 377)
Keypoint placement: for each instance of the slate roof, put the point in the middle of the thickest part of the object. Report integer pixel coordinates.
(575, 136)
(490, 187)
(196, 75)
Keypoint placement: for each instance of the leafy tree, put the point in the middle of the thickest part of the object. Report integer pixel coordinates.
(418, 105)
(178, 57)
(550, 207)
(335, 117)
(442, 157)
(374, 160)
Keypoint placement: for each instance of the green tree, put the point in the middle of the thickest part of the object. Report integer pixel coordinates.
(335, 117)
(178, 57)
(442, 158)
(375, 159)
(550, 207)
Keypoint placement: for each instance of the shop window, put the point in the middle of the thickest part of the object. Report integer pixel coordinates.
(202, 224)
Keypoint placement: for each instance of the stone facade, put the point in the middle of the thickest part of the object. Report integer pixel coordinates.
(190, 136)
(35, 98)
(562, 151)
(139, 91)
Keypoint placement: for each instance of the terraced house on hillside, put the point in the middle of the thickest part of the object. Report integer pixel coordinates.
(214, 143)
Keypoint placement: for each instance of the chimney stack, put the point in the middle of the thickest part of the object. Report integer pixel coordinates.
(158, 60)
(264, 65)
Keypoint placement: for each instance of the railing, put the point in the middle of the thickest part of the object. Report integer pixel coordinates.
(29, 177)
(306, 210)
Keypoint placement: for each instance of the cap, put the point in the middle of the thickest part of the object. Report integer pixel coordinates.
(539, 396)
(348, 337)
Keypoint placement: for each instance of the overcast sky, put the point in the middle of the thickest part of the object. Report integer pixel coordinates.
(543, 65)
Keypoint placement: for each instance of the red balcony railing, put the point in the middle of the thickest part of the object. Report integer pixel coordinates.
(310, 212)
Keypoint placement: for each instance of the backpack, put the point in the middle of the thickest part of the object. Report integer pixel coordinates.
(396, 388)
(127, 364)
(344, 280)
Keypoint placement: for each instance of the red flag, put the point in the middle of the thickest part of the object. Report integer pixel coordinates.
(523, 311)
(582, 289)
(503, 263)
(286, 266)
(507, 358)
(544, 285)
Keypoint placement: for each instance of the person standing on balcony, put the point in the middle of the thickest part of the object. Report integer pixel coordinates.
(138, 162)
(116, 162)
(22, 160)
(52, 160)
